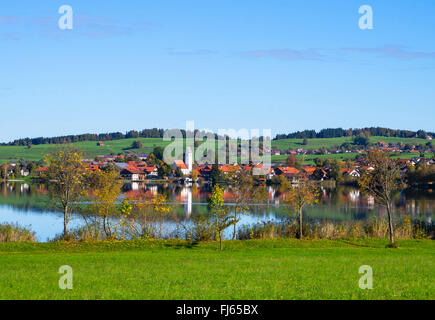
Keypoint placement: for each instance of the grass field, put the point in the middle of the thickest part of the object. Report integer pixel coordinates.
(257, 269)
(330, 142)
(90, 148)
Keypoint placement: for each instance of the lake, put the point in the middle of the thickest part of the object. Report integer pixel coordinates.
(29, 205)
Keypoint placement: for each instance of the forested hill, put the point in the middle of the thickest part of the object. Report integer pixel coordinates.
(158, 133)
(339, 132)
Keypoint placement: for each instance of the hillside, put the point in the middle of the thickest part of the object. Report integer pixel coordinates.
(90, 148)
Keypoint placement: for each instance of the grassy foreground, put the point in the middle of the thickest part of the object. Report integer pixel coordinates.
(256, 269)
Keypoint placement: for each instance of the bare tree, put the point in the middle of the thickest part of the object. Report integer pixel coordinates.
(382, 181)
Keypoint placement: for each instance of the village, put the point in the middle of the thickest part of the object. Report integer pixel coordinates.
(139, 167)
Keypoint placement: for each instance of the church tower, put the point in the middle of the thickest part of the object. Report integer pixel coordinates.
(189, 159)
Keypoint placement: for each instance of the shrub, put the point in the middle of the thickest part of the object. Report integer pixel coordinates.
(201, 229)
(375, 228)
(15, 233)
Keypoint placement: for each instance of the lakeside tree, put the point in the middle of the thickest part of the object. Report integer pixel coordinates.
(141, 216)
(4, 168)
(106, 188)
(243, 191)
(66, 175)
(335, 171)
(299, 196)
(383, 182)
(222, 218)
(17, 170)
(216, 174)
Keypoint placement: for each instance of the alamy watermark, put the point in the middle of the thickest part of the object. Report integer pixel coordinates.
(66, 280)
(66, 20)
(366, 20)
(227, 146)
(366, 280)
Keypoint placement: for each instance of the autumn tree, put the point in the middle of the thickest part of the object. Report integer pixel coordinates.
(106, 188)
(4, 168)
(67, 180)
(382, 183)
(243, 184)
(140, 215)
(297, 197)
(222, 218)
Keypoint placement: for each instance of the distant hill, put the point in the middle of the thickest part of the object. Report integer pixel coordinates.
(158, 133)
(92, 148)
(372, 131)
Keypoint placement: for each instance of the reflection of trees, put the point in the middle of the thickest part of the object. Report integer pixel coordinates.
(336, 203)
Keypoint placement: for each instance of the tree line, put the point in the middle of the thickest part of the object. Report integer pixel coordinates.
(340, 132)
(158, 133)
(146, 133)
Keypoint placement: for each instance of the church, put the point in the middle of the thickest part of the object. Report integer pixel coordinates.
(186, 166)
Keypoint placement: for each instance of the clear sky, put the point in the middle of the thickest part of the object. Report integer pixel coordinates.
(278, 64)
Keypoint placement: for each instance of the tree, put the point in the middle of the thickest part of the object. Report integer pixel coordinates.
(106, 187)
(194, 176)
(158, 152)
(139, 215)
(67, 180)
(17, 170)
(243, 190)
(163, 169)
(335, 171)
(221, 216)
(382, 183)
(136, 145)
(305, 141)
(298, 197)
(4, 168)
(361, 141)
(216, 174)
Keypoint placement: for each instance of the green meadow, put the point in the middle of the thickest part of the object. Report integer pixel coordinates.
(254, 269)
(91, 150)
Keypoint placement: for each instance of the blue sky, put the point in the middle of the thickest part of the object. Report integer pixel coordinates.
(284, 65)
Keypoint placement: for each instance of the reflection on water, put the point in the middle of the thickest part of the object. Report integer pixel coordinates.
(29, 205)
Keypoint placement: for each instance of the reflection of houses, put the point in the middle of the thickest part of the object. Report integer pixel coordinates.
(354, 195)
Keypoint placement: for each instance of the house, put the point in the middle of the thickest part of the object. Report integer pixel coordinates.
(179, 164)
(291, 173)
(41, 170)
(133, 174)
(100, 144)
(204, 170)
(286, 170)
(351, 172)
(229, 169)
(151, 172)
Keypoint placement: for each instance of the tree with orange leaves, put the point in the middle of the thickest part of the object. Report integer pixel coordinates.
(297, 197)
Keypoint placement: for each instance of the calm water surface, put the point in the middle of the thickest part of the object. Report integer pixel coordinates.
(29, 205)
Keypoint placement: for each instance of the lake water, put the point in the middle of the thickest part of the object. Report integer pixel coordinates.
(29, 205)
